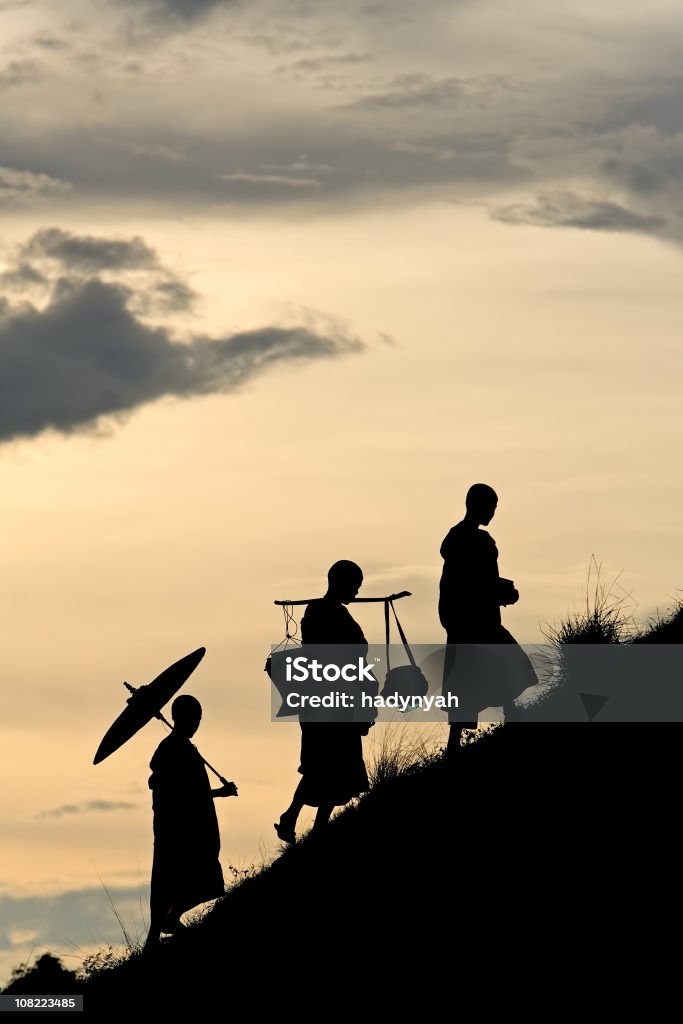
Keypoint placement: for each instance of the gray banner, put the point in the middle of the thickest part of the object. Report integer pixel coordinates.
(30, 1003)
(482, 683)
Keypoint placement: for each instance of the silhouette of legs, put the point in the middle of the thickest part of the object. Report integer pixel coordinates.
(173, 924)
(453, 745)
(322, 816)
(152, 940)
(168, 922)
(454, 737)
(286, 826)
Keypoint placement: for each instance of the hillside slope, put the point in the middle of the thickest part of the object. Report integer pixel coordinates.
(529, 835)
(543, 845)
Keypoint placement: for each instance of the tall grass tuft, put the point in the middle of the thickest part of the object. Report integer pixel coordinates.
(606, 618)
(664, 627)
(401, 749)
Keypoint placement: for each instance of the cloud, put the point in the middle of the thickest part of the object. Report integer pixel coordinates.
(86, 807)
(251, 170)
(648, 162)
(420, 90)
(391, 101)
(20, 72)
(178, 10)
(50, 41)
(22, 276)
(79, 917)
(301, 164)
(87, 355)
(189, 8)
(565, 209)
(271, 179)
(310, 65)
(51, 252)
(89, 254)
(17, 187)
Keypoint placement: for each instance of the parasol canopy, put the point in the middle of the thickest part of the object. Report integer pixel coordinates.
(146, 702)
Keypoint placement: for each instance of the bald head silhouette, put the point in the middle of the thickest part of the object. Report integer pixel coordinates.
(481, 502)
(186, 712)
(344, 580)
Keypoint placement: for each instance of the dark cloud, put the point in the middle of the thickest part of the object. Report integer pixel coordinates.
(86, 807)
(23, 276)
(246, 169)
(78, 918)
(660, 106)
(309, 65)
(412, 91)
(49, 41)
(637, 176)
(189, 8)
(87, 354)
(648, 164)
(326, 83)
(277, 180)
(420, 90)
(89, 254)
(565, 209)
(171, 295)
(178, 10)
(20, 72)
(18, 187)
(53, 251)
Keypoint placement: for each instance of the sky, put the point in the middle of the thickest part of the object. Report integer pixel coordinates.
(278, 282)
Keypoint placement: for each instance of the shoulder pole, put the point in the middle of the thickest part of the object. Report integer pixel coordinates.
(355, 600)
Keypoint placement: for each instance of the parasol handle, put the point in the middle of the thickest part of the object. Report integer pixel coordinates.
(209, 766)
(134, 689)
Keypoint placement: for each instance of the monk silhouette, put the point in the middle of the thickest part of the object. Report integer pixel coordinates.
(470, 597)
(185, 870)
(332, 766)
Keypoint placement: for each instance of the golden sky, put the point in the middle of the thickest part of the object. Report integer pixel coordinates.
(279, 282)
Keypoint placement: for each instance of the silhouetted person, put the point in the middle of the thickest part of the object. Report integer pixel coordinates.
(332, 766)
(470, 596)
(185, 870)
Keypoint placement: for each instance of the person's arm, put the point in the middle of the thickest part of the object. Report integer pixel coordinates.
(507, 592)
(229, 789)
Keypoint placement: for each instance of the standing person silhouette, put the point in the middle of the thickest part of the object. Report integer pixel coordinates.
(332, 766)
(185, 870)
(471, 593)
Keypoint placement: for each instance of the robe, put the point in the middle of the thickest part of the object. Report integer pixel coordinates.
(185, 870)
(471, 592)
(332, 763)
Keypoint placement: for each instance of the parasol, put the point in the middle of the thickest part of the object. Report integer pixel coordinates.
(146, 702)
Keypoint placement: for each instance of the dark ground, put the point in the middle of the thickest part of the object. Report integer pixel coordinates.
(543, 850)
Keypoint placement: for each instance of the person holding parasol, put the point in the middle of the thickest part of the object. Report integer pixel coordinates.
(185, 869)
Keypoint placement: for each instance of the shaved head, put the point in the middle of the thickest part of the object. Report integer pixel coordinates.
(344, 580)
(481, 502)
(479, 493)
(186, 712)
